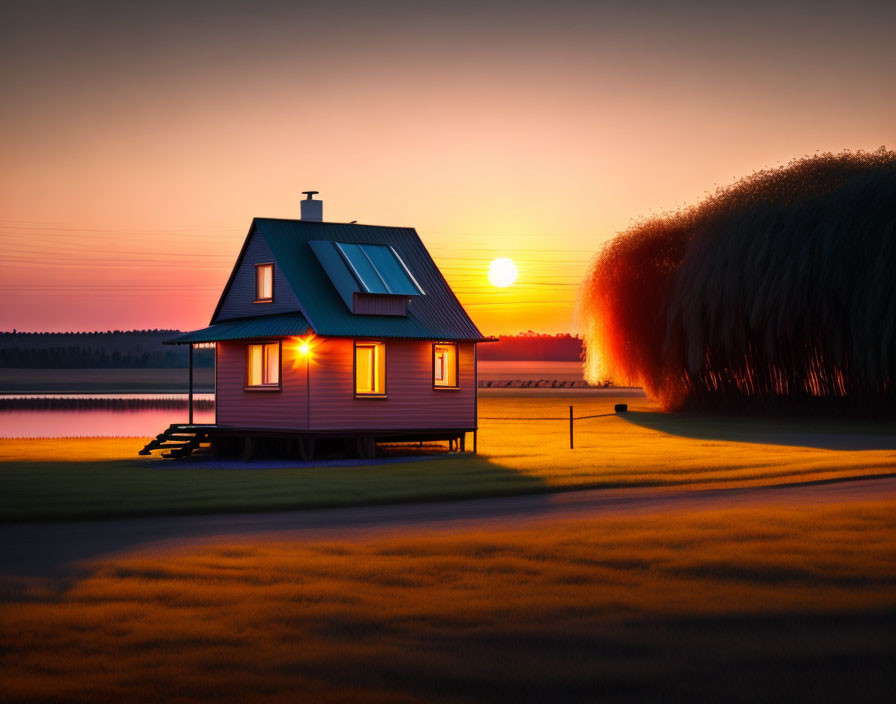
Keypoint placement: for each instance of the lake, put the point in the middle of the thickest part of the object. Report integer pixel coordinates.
(94, 414)
(106, 415)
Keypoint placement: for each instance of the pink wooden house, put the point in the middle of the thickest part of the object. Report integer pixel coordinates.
(331, 331)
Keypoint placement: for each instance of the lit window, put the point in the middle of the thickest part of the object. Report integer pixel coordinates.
(370, 369)
(264, 283)
(444, 365)
(263, 365)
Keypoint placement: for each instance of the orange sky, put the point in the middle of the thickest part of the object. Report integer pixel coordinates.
(138, 143)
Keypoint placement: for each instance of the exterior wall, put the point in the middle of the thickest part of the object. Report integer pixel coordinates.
(367, 304)
(240, 301)
(260, 409)
(411, 401)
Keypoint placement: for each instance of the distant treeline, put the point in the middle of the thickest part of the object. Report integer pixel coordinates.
(133, 349)
(140, 349)
(532, 346)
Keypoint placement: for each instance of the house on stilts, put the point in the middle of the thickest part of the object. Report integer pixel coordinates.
(330, 331)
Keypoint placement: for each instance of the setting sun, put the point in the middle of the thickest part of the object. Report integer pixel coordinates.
(502, 272)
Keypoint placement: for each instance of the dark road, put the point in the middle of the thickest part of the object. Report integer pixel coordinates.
(52, 549)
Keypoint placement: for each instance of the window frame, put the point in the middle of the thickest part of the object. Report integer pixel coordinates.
(369, 343)
(257, 267)
(263, 387)
(446, 387)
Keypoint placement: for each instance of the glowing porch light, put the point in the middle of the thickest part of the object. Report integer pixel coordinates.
(302, 348)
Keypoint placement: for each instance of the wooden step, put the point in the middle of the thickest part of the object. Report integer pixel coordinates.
(178, 439)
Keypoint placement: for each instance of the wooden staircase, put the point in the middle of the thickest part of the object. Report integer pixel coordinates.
(179, 441)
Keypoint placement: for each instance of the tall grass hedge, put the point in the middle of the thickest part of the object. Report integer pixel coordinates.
(778, 291)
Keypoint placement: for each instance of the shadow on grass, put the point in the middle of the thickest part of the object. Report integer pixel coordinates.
(60, 513)
(86, 490)
(819, 433)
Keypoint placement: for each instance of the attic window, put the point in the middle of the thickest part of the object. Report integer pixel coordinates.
(264, 283)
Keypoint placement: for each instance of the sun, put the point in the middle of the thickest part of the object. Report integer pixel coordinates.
(502, 272)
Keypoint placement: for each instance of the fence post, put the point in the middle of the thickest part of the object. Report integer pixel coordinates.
(190, 394)
(570, 428)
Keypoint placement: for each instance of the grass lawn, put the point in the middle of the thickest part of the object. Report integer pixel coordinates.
(89, 478)
(750, 604)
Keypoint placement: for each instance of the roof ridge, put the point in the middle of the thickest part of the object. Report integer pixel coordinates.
(333, 222)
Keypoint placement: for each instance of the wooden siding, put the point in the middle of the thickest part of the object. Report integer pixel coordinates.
(410, 403)
(237, 407)
(369, 304)
(240, 300)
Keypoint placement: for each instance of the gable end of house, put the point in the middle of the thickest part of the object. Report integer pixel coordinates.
(239, 299)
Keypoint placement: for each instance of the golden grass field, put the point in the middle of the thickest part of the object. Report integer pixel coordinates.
(90, 478)
(790, 602)
(773, 604)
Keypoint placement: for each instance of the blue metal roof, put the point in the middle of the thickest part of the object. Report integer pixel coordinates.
(368, 268)
(325, 299)
(361, 267)
(378, 268)
(346, 284)
(283, 325)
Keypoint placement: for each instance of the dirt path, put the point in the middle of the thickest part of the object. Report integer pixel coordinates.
(52, 549)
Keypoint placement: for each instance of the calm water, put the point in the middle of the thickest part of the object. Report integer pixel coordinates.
(141, 415)
(154, 414)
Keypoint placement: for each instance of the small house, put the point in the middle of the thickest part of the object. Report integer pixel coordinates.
(335, 331)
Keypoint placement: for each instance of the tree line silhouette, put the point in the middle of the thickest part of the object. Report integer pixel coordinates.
(529, 346)
(133, 349)
(138, 349)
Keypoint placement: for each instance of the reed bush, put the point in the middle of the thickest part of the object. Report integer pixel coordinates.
(777, 291)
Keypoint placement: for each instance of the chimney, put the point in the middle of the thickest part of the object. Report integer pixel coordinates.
(312, 210)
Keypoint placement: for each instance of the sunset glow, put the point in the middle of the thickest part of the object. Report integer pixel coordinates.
(137, 149)
(447, 351)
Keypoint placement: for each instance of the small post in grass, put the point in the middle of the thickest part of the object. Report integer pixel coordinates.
(570, 428)
(190, 394)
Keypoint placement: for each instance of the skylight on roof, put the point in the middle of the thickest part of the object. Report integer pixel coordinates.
(378, 269)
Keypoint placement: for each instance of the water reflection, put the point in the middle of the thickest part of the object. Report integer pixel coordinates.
(107, 415)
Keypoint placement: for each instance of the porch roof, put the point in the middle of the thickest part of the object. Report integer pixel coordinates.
(283, 325)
